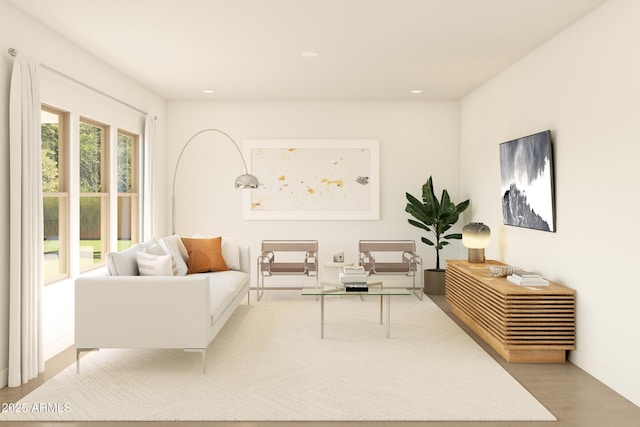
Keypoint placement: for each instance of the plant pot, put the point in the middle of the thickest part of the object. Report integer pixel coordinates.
(434, 281)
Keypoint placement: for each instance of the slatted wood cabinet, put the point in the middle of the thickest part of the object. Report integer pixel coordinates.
(523, 324)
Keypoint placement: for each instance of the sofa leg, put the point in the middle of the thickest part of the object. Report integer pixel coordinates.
(203, 351)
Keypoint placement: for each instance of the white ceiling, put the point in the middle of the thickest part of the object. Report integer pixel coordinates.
(252, 49)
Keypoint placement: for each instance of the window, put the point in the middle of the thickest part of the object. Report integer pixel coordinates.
(54, 125)
(128, 212)
(91, 200)
(94, 196)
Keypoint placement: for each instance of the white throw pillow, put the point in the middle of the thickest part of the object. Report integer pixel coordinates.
(154, 265)
(230, 250)
(123, 263)
(154, 248)
(173, 245)
(151, 243)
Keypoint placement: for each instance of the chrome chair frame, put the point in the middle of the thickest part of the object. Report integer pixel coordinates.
(410, 263)
(268, 266)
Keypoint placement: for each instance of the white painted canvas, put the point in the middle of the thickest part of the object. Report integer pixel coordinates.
(313, 179)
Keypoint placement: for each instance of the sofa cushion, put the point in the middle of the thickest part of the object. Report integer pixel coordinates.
(205, 255)
(153, 264)
(173, 246)
(123, 263)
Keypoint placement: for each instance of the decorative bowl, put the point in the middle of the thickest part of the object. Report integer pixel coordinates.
(503, 270)
(498, 270)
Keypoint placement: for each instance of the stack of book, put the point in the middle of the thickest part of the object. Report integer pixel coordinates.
(354, 279)
(527, 278)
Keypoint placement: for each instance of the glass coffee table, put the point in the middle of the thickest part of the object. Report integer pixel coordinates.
(327, 289)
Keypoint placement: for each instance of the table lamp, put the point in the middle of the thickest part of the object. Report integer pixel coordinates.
(476, 236)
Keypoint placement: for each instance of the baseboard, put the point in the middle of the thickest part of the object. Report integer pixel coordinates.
(4, 378)
(611, 379)
(57, 346)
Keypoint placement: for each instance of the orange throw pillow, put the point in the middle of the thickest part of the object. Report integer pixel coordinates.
(205, 255)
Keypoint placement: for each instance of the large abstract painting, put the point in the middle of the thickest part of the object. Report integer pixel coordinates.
(526, 171)
(313, 179)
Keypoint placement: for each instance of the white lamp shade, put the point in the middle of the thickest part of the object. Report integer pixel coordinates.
(476, 235)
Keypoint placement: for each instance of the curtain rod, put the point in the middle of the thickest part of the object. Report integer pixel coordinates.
(14, 52)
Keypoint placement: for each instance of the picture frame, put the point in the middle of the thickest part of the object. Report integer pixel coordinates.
(527, 182)
(313, 179)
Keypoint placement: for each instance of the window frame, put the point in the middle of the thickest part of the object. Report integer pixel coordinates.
(70, 122)
(134, 194)
(103, 195)
(62, 194)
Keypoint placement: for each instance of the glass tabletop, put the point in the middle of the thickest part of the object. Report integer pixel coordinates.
(337, 289)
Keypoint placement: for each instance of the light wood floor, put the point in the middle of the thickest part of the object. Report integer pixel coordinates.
(573, 396)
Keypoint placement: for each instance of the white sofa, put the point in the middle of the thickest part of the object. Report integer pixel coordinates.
(157, 312)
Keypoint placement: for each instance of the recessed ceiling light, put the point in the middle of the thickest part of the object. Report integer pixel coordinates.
(416, 91)
(208, 91)
(309, 54)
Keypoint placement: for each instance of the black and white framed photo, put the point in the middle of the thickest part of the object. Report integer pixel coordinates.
(526, 172)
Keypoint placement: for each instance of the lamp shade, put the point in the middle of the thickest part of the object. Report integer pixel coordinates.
(476, 235)
(246, 181)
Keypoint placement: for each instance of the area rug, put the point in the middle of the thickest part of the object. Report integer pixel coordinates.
(269, 364)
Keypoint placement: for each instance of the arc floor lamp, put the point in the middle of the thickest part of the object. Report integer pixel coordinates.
(244, 181)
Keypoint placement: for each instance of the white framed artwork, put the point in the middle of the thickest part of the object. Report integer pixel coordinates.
(313, 179)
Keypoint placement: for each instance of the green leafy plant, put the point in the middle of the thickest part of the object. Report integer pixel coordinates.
(435, 216)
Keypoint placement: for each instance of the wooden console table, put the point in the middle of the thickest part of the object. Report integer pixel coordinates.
(523, 324)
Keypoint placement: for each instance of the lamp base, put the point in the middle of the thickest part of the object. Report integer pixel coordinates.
(476, 255)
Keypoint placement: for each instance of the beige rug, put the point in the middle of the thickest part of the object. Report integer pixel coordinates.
(269, 364)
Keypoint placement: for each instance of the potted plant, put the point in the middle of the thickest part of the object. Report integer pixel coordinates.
(437, 217)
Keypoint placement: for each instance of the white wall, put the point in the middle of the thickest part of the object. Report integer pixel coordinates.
(35, 42)
(416, 139)
(584, 85)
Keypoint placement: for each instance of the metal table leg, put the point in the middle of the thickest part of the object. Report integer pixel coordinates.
(388, 316)
(321, 316)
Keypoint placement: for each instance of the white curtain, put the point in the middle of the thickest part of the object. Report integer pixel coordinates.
(148, 229)
(26, 355)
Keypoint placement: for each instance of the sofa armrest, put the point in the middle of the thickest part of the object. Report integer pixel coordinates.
(245, 259)
(142, 312)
